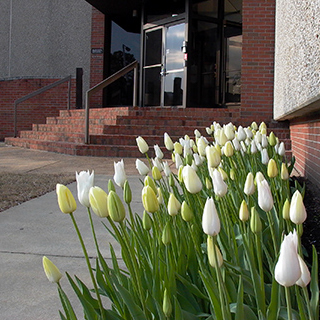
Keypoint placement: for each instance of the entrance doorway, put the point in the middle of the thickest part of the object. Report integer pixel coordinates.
(164, 69)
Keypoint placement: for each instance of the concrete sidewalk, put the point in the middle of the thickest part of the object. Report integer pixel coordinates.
(37, 228)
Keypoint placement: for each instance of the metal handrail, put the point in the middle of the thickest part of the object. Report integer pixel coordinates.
(132, 66)
(41, 90)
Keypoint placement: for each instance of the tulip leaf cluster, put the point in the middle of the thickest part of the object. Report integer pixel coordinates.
(219, 236)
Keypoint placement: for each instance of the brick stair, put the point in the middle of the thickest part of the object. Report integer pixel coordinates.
(113, 130)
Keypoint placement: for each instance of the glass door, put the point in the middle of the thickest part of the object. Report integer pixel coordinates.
(164, 66)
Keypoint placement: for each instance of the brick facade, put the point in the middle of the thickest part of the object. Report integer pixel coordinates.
(34, 110)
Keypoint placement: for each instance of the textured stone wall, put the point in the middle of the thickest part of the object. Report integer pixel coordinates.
(297, 56)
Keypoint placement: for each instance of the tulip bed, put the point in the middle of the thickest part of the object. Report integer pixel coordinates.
(220, 236)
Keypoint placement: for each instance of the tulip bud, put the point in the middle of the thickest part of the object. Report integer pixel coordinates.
(281, 150)
(229, 131)
(160, 197)
(264, 141)
(168, 142)
(208, 184)
(223, 174)
(127, 194)
(264, 156)
(298, 212)
(222, 138)
(286, 210)
(156, 174)
(272, 139)
(272, 169)
(236, 144)
(166, 168)
(178, 161)
(262, 126)
(220, 188)
(244, 212)
(98, 199)
(210, 219)
(166, 234)
(254, 126)
(305, 274)
(186, 212)
(146, 221)
(253, 147)
(284, 172)
(142, 145)
(52, 272)
(167, 306)
(120, 176)
(111, 186)
(202, 144)
(287, 271)
(255, 222)
(265, 199)
(212, 250)
(228, 149)
(191, 180)
(249, 187)
(149, 199)
(177, 148)
(173, 205)
(158, 152)
(149, 182)
(259, 177)
(157, 163)
(241, 134)
(213, 156)
(66, 201)
(85, 181)
(116, 209)
(142, 168)
(232, 175)
(180, 178)
(171, 180)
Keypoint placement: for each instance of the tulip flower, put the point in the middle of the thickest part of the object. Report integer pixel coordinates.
(220, 188)
(166, 237)
(160, 196)
(281, 149)
(253, 147)
(228, 149)
(284, 172)
(120, 176)
(209, 185)
(166, 168)
(305, 274)
(213, 156)
(202, 144)
(259, 177)
(272, 139)
(264, 156)
(52, 272)
(168, 142)
(116, 209)
(142, 168)
(210, 219)
(98, 199)
(255, 222)
(222, 138)
(288, 271)
(186, 212)
(149, 182)
(146, 221)
(249, 187)
(272, 169)
(66, 201)
(262, 126)
(178, 160)
(111, 186)
(177, 148)
(158, 152)
(264, 141)
(191, 180)
(149, 199)
(241, 134)
(248, 132)
(236, 144)
(244, 212)
(212, 250)
(127, 194)
(197, 159)
(156, 174)
(265, 199)
(173, 205)
(286, 210)
(85, 181)
(142, 145)
(209, 131)
(298, 212)
(223, 174)
(254, 126)
(229, 131)
(166, 306)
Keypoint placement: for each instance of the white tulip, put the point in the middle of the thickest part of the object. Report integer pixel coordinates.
(166, 168)
(249, 187)
(305, 274)
(178, 160)
(120, 176)
(241, 135)
(265, 199)
(158, 152)
(281, 149)
(142, 145)
(264, 156)
(168, 142)
(210, 219)
(220, 188)
(297, 211)
(142, 168)
(191, 180)
(85, 181)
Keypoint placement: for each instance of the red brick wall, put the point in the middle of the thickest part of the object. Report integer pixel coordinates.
(257, 60)
(96, 63)
(34, 110)
(305, 141)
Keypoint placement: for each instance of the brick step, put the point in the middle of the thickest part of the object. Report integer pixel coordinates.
(67, 128)
(110, 113)
(79, 121)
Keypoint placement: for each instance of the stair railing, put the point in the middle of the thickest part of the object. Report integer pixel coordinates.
(39, 91)
(132, 66)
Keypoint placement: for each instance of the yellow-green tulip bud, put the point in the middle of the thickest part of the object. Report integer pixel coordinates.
(208, 184)
(232, 175)
(66, 201)
(180, 177)
(286, 210)
(263, 131)
(272, 168)
(146, 221)
(142, 145)
(244, 212)
(254, 126)
(171, 181)
(284, 172)
(149, 182)
(149, 200)
(214, 250)
(177, 148)
(272, 139)
(156, 174)
(167, 306)
(249, 187)
(298, 212)
(255, 222)
(213, 156)
(127, 194)
(52, 272)
(168, 142)
(186, 212)
(166, 234)
(173, 205)
(98, 199)
(116, 209)
(223, 174)
(228, 149)
(262, 126)
(111, 186)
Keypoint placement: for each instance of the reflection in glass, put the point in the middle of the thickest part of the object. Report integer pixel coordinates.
(152, 86)
(173, 90)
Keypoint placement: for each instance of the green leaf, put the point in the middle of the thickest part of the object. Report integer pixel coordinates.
(191, 287)
(248, 313)
(314, 285)
(62, 316)
(273, 309)
(86, 293)
(301, 307)
(239, 308)
(67, 307)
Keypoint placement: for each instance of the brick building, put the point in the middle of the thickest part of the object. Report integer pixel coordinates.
(222, 60)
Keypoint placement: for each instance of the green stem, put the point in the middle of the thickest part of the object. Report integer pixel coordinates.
(89, 265)
(306, 297)
(259, 255)
(289, 308)
(93, 231)
(275, 248)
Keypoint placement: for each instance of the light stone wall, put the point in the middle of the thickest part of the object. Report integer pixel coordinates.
(44, 38)
(297, 58)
